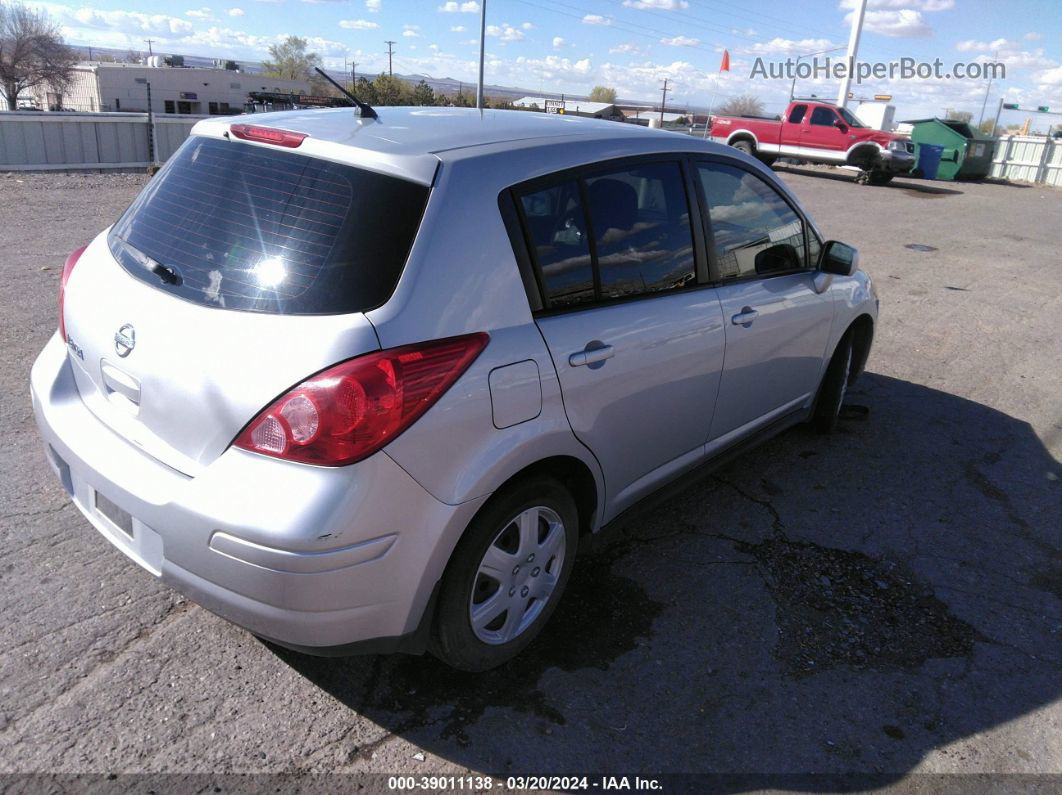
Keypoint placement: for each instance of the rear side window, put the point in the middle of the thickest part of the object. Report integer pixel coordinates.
(756, 232)
(611, 234)
(556, 225)
(239, 226)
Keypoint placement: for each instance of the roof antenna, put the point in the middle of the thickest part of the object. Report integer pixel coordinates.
(366, 110)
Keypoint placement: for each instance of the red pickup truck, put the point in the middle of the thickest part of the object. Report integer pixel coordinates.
(819, 132)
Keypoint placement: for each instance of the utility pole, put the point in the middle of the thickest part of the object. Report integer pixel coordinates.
(853, 51)
(988, 89)
(150, 53)
(482, 50)
(390, 52)
(999, 112)
(663, 100)
(353, 74)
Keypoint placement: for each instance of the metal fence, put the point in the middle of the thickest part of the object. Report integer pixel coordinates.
(1028, 159)
(32, 141)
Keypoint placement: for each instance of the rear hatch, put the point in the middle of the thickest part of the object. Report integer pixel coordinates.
(240, 270)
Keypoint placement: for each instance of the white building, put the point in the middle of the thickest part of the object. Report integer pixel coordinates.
(187, 90)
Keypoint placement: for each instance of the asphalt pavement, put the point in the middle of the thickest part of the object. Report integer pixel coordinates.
(885, 600)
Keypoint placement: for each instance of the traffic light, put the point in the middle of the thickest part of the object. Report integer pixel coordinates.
(1043, 109)
(1010, 105)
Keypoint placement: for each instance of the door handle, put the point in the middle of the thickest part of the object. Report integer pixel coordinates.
(591, 356)
(744, 317)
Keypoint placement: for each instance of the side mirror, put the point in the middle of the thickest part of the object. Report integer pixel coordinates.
(840, 125)
(839, 258)
(777, 259)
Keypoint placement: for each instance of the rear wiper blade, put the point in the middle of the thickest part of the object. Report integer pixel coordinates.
(167, 273)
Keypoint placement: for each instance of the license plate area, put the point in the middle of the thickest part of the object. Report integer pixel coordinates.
(113, 514)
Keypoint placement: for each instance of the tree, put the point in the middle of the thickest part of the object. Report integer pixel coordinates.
(290, 61)
(742, 105)
(960, 115)
(390, 90)
(988, 127)
(603, 94)
(423, 94)
(365, 91)
(32, 53)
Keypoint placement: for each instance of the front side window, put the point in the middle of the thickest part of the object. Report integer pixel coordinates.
(755, 231)
(611, 234)
(824, 117)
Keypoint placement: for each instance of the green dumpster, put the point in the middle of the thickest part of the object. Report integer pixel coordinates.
(967, 154)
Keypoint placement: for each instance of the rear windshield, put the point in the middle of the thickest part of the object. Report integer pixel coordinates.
(238, 226)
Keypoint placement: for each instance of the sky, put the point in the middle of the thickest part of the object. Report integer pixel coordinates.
(631, 45)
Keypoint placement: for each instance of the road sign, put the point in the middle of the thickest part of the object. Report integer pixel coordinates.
(554, 106)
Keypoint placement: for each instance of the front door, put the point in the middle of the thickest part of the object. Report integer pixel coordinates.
(637, 342)
(776, 320)
(819, 131)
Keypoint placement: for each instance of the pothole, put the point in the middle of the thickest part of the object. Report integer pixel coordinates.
(835, 607)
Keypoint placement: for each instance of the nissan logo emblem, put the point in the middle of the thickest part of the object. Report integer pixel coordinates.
(125, 340)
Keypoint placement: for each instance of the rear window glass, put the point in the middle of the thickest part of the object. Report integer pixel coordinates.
(239, 226)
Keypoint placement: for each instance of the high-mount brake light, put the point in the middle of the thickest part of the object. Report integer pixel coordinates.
(68, 267)
(351, 410)
(267, 135)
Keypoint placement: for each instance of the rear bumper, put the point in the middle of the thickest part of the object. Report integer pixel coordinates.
(311, 557)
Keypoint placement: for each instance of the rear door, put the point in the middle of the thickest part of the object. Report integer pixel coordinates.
(776, 319)
(239, 271)
(636, 337)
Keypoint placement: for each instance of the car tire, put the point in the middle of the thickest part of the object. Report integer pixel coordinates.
(878, 177)
(832, 390)
(746, 147)
(515, 528)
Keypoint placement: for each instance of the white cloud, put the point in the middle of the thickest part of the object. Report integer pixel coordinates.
(235, 12)
(904, 23)
(410, 34)
(123, 21)
(666, 5)
(1033, 36)
(457, 28)
(559, 42)
(1051, 77)
(552, 67)
(780, 46)
(972, 45)
(681, 41)
(358, 24)
(896, 5)
(452, 7)
(374, 5)
(527, 25)
(505, 32)
(596, 19)
(198, 13)
(627, 48)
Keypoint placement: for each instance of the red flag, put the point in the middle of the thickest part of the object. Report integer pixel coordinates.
(725, 65)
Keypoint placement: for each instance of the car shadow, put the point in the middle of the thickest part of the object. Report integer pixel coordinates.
(839, 605)
(898, 183)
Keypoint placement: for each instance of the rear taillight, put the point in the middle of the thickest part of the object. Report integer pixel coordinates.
(349, 411)
(68, 267)
(267, 135)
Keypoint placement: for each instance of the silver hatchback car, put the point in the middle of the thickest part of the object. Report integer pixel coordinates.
(359, 385)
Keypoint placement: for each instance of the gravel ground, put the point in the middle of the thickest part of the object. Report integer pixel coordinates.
(886, 600)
